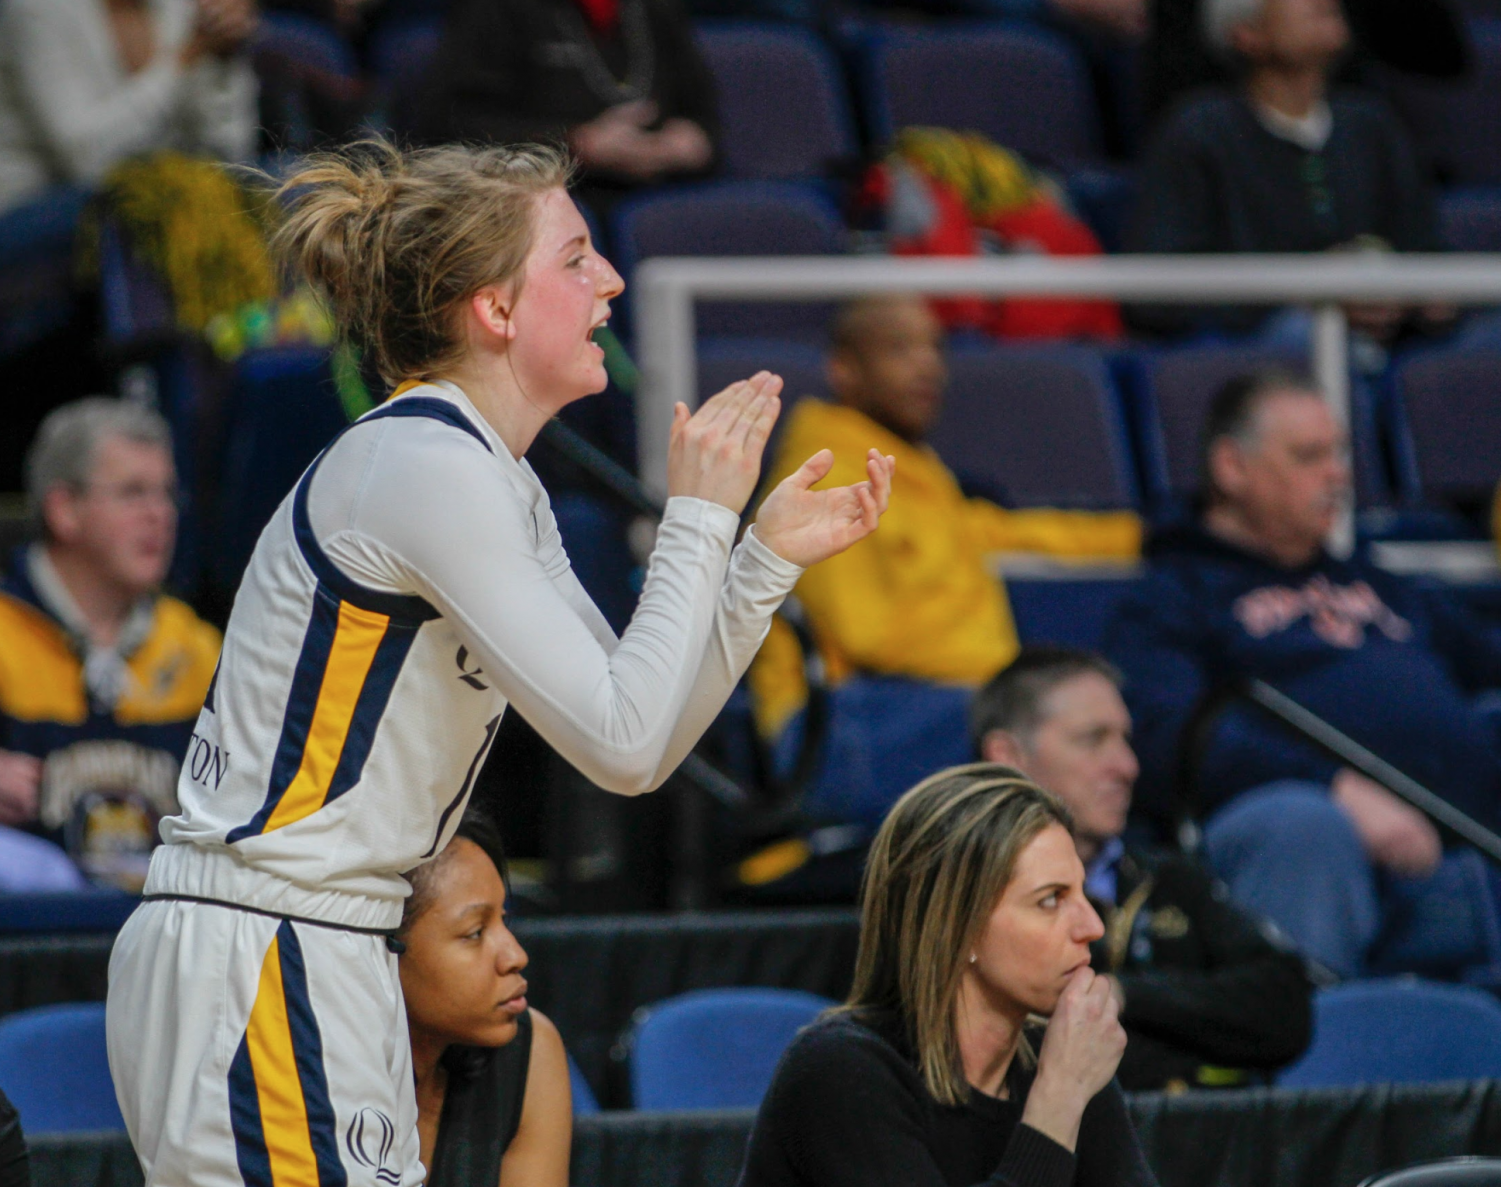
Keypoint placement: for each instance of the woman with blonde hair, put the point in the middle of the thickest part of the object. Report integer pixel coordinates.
(974, 920)
(409, 589)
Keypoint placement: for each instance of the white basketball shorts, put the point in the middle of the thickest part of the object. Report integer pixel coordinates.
(249, 1051)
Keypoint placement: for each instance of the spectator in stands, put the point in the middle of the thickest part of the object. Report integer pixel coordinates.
(920, 603)
(1425, 38)
(1281, 163)
(622, 81)
(101, 676)
(1206, 991)
(493, 1098)
(85, 84)
(974, 919)
(1249, 591)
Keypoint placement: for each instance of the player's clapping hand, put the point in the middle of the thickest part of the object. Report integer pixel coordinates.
(715, 453)
(805, 526)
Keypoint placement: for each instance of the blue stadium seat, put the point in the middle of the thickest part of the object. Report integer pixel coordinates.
(1445, 422)
(140, 323)
(1036, 426)
(715, 1048)
(721, 361)
(36, 266)
(745, 218)
(1452, 122)
(283, 409)
(1470, 219)
(1065, 612)
(1026, 89)
(301, 63)
(403, 10)
(95, 910)
(54, 1069)
(134, 300)
(1173, 397)
(306, 41)
(401, 49)
(1405, 1031)
(584, 1102)
(1465, 1171)
(782, 104)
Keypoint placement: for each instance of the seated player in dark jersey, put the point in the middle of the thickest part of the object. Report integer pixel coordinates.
(493, 1100)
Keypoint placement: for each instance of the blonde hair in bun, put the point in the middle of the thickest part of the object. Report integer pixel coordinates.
(396, 239)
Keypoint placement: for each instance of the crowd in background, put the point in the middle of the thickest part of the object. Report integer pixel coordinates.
(1243, 126)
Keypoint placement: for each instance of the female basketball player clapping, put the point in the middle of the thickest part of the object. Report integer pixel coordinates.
(409, 589)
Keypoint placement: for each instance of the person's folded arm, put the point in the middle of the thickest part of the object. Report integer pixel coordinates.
(538, 1154)
(1112, 534)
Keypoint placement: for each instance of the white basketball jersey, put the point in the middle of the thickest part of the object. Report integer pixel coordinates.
(366, 666)
(344, 727)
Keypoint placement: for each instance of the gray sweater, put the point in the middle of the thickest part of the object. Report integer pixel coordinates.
(69, 111)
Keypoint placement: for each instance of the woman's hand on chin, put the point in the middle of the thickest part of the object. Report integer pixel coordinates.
(715, 453)
(806, 526)
(1080, 1052)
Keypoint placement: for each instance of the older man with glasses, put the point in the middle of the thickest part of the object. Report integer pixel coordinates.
(101, 675)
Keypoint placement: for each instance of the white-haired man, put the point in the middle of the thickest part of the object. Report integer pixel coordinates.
(1280, 163)
(101, 677)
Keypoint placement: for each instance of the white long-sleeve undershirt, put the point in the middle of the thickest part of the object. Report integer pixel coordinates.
(413, 506)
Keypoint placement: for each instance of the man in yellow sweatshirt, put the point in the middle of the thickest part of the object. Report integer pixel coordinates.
(916, 599)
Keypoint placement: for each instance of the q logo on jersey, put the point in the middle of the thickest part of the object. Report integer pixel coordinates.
(470, 676)
(369, 1139)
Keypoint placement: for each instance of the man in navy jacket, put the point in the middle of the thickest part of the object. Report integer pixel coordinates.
(1249, 591)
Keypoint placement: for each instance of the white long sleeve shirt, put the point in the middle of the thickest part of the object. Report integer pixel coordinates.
(409, 590)
(69, 111)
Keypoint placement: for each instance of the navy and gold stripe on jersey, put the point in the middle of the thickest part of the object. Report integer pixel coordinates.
(347, 667)
(283, 1120)
(352, 653)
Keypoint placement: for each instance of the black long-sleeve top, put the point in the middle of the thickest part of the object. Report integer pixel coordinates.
(1209, 989)
(529, 71)
(1216, 180)
(848, 1108)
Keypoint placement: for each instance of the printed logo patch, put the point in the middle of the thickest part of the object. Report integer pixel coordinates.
(1338, 614)
(369, 1140)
